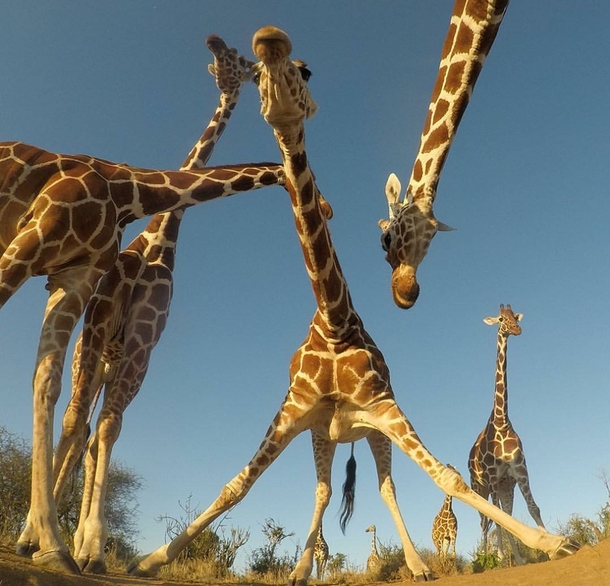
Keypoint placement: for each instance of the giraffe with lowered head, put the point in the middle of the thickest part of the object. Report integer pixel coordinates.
(407, 234)
(497, 461)
(63, 216)
(339, 382)
(124, 320)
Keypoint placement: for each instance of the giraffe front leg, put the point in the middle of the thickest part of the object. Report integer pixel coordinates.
(285, 427)
(323, 453)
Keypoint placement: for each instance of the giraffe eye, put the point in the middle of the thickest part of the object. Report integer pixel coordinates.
(386, 240)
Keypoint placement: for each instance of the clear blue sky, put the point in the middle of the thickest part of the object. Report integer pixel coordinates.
(525, 184)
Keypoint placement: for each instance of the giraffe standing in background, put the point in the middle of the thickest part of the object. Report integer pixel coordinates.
(339, 382)
(444, 529)
(496, 461)
(63, 216)
(373, 562)
(320, 554)
(124, 321)
(412, 225)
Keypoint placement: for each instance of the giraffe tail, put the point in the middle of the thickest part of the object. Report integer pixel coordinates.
(349, 492)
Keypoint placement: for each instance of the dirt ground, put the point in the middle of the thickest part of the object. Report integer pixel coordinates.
(589, 567)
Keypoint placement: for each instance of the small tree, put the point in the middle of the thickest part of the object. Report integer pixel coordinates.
(265, 560)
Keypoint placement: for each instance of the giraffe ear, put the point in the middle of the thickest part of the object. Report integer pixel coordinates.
(443, 227)
(383, 224)
(392, 189)
(490, 321)
(518, 316)
(212, 69)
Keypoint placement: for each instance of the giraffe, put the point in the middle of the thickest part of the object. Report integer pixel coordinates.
(63, 216)
(407, 234)
(497, 461)
(444, 529)
(373, 562)
(320, 554)
(124, 320)
(339, 382)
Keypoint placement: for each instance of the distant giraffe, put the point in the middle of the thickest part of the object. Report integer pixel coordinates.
(339, 382)
(444, 529)
(412, 225)
(497, 461)
(124, 320)
(320, 554)
(63, 216)
(373, 562)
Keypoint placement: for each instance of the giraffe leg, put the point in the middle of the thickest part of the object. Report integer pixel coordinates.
(323, 453)
(285, 427)
(387, 417)
(67, 297)
(86, 383)
(521, 476)
(506, 494)
(381, 448)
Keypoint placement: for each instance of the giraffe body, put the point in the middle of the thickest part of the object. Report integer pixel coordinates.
(320, 554)
(497, 461)
(444, 529)
(63, 216)
(124, 320)
(411, 226)
(339, 382)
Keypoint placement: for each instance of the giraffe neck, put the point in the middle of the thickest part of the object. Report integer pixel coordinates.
(374, 542)
(472, 31)
(158, 241)
(329, 286)
(200, 153)
(500, 410)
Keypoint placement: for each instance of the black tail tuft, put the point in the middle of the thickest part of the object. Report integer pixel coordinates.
(349, 492)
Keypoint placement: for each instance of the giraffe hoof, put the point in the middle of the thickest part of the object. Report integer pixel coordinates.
(58, 560)
(425, 577)
(568, 547)
(26, 550)
(91, 566)
(136, 568)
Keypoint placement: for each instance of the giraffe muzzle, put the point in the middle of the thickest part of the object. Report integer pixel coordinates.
(405, 288)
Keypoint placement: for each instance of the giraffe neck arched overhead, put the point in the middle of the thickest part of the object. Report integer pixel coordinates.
(411, 225)
(63, 216)
(124, 320)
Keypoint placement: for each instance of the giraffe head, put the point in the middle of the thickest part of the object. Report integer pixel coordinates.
(508, 322)
(230, 69)
(282, 83)
(405, 238)
(370, 529)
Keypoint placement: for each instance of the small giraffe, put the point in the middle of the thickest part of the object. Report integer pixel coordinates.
(373, 562)
(406, 236)
(124, 320)
(497, 461)
(339, 382)
(444, 529)
(320, 554)
(63, 216)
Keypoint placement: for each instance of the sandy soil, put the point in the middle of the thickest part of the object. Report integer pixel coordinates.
(589, 567)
